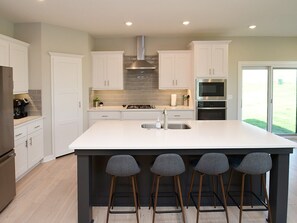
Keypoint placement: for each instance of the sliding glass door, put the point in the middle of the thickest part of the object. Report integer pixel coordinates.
(268, 98)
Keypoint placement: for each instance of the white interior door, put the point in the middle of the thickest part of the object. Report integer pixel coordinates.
(66, 100)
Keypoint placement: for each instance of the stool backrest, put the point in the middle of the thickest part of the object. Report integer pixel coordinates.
(168, 165)
(213, 164)
(255, 163)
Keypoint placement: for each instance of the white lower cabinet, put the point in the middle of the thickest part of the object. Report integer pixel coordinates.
(28, 146)
(180, 115)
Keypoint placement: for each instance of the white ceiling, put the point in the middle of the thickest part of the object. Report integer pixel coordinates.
(104, 18)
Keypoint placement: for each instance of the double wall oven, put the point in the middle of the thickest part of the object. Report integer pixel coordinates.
(211, 96)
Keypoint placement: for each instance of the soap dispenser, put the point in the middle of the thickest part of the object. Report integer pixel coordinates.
(158, 123)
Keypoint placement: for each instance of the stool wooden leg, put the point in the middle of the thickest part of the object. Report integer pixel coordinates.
(191, 187)
(224, 197)
(137, 193)
(110, 196)
(199, 196)
(156, 198)
(251, 189)
(175, 190)
(113, 191)
(181, 199)
(134, 196)
(152, 191)
(266, 196)
(214, 189)
(229, 183)
(241, 196)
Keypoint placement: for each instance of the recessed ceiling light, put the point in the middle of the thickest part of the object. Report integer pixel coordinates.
(128, 23)
(186, 23)
(252, 26)
(40, 0)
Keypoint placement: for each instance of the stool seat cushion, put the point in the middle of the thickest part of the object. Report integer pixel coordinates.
(122, 166)
(254, 164)
(212, 164)
(168, 165)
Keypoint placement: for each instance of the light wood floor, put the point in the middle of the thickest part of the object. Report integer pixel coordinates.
(48, 195)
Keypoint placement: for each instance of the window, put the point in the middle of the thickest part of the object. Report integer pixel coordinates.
(267, 96)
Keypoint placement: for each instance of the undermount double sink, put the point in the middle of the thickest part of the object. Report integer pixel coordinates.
(170, 126)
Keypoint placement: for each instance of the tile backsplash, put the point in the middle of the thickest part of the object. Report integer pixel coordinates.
(140, 87)
(34, 98)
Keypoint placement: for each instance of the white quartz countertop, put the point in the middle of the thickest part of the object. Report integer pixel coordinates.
(115, 134)
(158, 107)
(25, 120)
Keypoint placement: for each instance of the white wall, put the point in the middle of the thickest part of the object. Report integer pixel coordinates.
(6, 27)
(44, 38)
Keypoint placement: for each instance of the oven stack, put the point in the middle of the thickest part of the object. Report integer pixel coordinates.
(211, 99)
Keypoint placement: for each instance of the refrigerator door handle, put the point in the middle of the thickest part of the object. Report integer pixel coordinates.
(9, 157)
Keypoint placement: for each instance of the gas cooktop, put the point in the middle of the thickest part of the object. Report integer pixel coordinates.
(140, 107)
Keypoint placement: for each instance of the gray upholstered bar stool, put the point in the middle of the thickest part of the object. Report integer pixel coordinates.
(252, 164)
(167, 165)
(213, 164)
(123, 166)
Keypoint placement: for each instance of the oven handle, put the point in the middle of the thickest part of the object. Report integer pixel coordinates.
(212, 108)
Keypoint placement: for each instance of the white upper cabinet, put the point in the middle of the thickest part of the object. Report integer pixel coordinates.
(175, 69)
(14, 53)
(210, 58)
(107, 70)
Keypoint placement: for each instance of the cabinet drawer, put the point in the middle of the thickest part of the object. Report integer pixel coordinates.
(139, 115)
(105, 115)
(180, 114)
(35, 126)
(20, 132)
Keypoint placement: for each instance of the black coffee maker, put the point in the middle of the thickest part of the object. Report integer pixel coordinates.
(19, 108)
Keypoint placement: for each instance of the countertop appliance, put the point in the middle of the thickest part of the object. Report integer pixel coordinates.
(141, 107)
(7, 155)
(211, 89)
(19, 108)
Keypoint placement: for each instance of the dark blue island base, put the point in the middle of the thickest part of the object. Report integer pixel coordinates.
(93, 182)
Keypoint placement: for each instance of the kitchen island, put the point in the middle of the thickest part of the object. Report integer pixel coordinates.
(106, 138)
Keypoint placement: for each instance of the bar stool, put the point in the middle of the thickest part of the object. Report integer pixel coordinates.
(123, 166)
(257, 163)
(213, 164)
(167, 165)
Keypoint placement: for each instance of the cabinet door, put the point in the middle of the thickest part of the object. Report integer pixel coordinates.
(99, 72)
(18, 59)
(114, 66)
(141, 115)
(4, 53)
(220, 60)
(182, 70)
(203, 55)
(21, 158)
(166, 71)
(35, 148)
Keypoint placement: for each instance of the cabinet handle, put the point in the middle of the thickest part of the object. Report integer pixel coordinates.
(26, 144)
(79, 104)
(176, 82)
(172, 82)
(104, 116)
(176, 115)
(19, 134)
(108, 83)
(209, 71)
(37, 126)
(31, 141)
(213, 71)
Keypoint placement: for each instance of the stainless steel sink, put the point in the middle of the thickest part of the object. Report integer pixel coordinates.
(170, 126)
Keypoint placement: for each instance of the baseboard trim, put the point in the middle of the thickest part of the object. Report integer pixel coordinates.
(48, 158)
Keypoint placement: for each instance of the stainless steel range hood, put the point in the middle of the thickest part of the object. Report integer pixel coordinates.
(140, 63)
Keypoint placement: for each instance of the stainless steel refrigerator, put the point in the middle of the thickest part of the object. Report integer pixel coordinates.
(7, 154)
